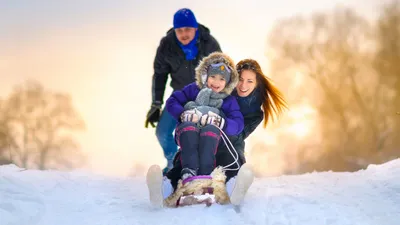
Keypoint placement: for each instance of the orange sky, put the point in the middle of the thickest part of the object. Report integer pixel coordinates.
(101, 52)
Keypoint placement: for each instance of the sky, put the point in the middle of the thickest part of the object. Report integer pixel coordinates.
(101, 52)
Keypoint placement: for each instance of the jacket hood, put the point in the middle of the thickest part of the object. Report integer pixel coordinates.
(213, 58)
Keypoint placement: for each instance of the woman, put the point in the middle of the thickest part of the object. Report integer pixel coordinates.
(259, 100)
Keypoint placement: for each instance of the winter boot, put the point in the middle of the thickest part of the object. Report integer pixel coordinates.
(186, 173)
(159, 187)
(238, 186)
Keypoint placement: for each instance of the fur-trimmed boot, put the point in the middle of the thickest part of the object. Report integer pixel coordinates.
(238, 186)
(159, 186)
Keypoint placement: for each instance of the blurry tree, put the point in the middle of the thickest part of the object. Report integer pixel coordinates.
(4, 137)
(334, 50)
(39, 125)
(387, 65)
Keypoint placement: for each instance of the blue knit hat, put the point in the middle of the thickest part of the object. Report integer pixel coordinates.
(184, 18)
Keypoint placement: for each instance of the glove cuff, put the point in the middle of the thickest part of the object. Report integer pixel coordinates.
(156, 104)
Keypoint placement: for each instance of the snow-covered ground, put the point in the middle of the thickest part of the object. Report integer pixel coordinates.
(30, 197)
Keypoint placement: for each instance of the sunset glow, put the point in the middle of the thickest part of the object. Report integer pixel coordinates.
(102, 55)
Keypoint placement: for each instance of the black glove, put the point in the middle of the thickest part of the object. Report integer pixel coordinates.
(153, 116)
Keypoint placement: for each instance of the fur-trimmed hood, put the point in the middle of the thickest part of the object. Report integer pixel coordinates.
(217, 57)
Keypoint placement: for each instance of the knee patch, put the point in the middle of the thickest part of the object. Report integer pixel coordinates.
(210, 128)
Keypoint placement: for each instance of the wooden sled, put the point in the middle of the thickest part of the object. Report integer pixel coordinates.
(200, 190)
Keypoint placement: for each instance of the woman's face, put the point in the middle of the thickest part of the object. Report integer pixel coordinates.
(247, 83)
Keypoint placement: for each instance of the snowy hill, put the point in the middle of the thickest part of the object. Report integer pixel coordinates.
(372, 196)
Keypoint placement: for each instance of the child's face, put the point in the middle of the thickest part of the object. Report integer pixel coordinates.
(216, 82)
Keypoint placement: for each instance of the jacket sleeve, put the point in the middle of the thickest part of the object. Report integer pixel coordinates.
(251, 123)
(234, 121)
(176, 102)
(161, 71)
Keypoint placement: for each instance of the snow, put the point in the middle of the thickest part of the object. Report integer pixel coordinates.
(366, 197)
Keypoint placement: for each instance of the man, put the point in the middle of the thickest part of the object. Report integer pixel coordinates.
(178, 54)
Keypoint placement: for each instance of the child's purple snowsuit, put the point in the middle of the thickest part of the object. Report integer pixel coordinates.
(234, 121)
(199, 145)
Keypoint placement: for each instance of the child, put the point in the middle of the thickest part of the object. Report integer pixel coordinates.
(202, 109)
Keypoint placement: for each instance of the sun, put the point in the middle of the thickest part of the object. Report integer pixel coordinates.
(302, 120)
(300, 129)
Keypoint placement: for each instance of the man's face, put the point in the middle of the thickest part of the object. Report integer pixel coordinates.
(185, 34)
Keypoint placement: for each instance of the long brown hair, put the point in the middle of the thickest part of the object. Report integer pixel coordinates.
(273, 101)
